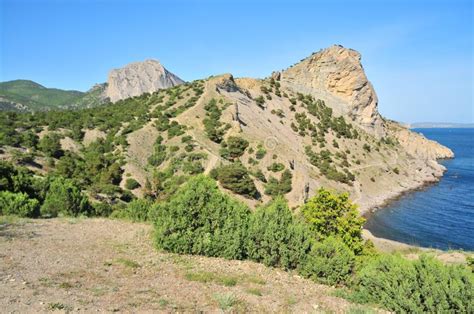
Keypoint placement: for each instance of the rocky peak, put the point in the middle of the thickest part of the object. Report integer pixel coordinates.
(138, 78)
(336, 75)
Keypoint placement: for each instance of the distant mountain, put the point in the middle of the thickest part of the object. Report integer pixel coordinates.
(426, 125)
(132, 80)
(138, 78)
(28, 95)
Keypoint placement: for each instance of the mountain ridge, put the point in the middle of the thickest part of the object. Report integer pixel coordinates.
(314, 124)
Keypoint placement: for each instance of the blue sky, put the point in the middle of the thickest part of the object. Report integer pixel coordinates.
(418, 54)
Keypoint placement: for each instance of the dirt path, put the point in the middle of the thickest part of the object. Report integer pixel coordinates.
(106, 265)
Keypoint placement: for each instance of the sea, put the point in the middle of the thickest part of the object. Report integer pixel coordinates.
(441, 215)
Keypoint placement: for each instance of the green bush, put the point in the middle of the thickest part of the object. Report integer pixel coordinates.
(276, 167)
(276, 187)
(261, 152)
(18, 204)
(330, 262)
(236, 178)
(233, 148)
(199, 219)
(424, 285)
(136, 210)
(50, 145)
(65, 198)
(275, 238)
(131, 184)
(330, 214)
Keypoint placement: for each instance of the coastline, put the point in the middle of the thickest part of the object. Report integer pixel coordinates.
(388, 245)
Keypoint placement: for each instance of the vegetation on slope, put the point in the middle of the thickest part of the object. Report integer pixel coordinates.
(35, 97)
(321, 240)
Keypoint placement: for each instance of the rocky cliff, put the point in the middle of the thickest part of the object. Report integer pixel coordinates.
(336, 75)
(138, 78)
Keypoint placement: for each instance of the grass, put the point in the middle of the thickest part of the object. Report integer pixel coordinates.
(11, 219)
(226, 300)
(206, 277)
(360, 309)
(128, 263)
(59, 306)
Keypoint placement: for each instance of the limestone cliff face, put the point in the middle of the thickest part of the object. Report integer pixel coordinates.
(336, 75)
(139, 78)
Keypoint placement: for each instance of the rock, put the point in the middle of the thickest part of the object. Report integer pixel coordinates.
(138, 78)
(336, 75)
(276, 75)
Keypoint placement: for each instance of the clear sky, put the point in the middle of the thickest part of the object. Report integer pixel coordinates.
(418, 54)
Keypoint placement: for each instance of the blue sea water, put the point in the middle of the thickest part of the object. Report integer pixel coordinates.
(441, 215)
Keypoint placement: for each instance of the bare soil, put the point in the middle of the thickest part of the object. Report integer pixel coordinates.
(104, 265)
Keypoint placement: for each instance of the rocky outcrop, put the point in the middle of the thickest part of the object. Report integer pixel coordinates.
(336, 75)
(416, 144)
(139, 78)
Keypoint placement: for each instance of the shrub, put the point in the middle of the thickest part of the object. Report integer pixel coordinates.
(276, 166)
(18, 204)
(260, 153)
(236, 178)
(102, 209)
(131, 184)
(64, 197)
(424, 285)
(276, 187)
(50, 145)
(330, 262)
(330, 214)
(234, 147)
(260, 101)
(212, 125)
(136, 210)
(275, 238)
(199, 219)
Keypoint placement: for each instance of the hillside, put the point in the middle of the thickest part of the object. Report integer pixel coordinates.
(27, 95)
(132, 80)
(248, 170)
(315, 124)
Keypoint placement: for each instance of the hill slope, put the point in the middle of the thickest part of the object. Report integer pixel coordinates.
(132, 80)
(22, 94)
(315, 124)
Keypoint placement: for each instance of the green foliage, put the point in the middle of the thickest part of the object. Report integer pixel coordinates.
(233, 148)
(19, 180)
(261, 152)
(236, 178)
(330, 262)
(159, 154)
(276, 167)
(50, 145)
(275, 238)
(330, 214)
(212, 125)
(324, 161)
(259, 175)
(131, 184)
(38, 97)
(260, 101)
(276, 187)
(136, 210)
(64, 198)
(424, 285)
(199, 219)
(18, 204)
